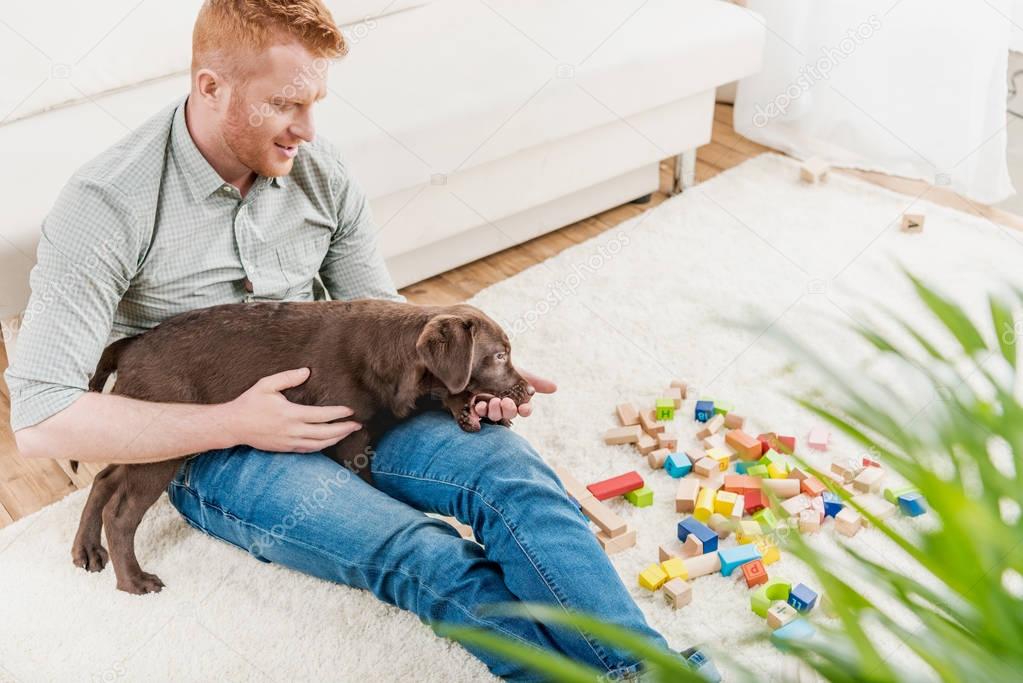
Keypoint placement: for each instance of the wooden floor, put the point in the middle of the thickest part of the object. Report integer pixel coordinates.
(28, 485)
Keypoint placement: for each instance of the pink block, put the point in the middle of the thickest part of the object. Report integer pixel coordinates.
(818, 438)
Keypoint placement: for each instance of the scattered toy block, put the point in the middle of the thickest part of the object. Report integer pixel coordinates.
(819, 438)
(656, 458)
(724, 501)
(733, 558)
(707, 536)
(814, 170)
(616, 486)
(622, 435)
(646, 444)
(843, 470)
(664, 553)
(913, 222)
(747, 531)
(812, 486)
(754, 501)
(711, 427)
(708, 563)
(892, 495)
(741, 483)
(745, 445)
(713, 441)
(734, 421)
(754, 573)
(678, 593)
(677, 465)
(817, 505)
(778, 470)
(706, 467)
(783, 488)
(769, 551)
(676, 396)
(618, 543)
(679, 384)
(832, 503)
(795, 630)
(641, 497)
(802, 598)
(779, 614)
(692, 547)
(758, 470)
(685, 495)
(875, 505)
(699, 663)
(675, 568)
(648, 421)
(867, 462)
(704, 504)
(796, 504)
(722, 457)
(912, 504)
(572, 485)
(869, 480)
(848, 521)
(738, 509)
(667, 440)
(763, 597)
(704, 410)
(785, 444)
(628, 414)
(722, 408)
(664, 409)
(603, 516)
(766, 519)
(797, 473)
(720, 524)
(653, 577)
(809, 522)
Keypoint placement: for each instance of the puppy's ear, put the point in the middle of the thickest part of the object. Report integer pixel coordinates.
(446, 347)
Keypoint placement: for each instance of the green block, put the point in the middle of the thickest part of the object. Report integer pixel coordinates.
(757, 471)
(766, 519)
(664, 409)
(641, 497)
(774, 589)
(771, 457)
(892, 495)
(722, 407)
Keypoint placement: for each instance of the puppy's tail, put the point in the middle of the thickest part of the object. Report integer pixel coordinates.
(107, 364)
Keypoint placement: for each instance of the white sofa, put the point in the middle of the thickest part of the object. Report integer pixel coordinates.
(472, 124)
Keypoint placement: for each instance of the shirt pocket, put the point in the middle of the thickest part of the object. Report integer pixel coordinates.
(296, 261)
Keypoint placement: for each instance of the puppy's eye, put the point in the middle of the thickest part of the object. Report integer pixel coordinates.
(501, 356)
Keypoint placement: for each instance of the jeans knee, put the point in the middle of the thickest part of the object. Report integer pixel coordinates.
(513, 468)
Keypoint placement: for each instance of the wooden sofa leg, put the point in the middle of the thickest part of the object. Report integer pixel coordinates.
(684, 172)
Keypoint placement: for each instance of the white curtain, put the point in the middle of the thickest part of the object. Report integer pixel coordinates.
(910, 87)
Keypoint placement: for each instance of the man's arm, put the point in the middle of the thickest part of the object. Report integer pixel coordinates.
(87, 255)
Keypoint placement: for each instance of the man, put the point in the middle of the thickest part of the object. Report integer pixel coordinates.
(227, 196)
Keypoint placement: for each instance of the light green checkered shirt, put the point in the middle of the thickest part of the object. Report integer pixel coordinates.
(148, 230)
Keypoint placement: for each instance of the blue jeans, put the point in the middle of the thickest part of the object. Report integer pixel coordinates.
(310, 514)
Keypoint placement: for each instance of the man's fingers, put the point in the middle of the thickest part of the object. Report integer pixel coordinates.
(314, 414)
(541, 384)
(336, 430)
(285, 380)
(494, 410)
(508, 408)
(525, 410)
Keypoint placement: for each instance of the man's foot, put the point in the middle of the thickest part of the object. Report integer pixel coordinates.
(701, 663)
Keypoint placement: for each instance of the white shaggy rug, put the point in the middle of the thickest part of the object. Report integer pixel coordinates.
(613, 319)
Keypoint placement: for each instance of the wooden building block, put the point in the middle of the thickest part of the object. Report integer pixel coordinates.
(678, 593)
(675, 568)
(722, 456)
(721, 525)
(665, 553)
(747, 531)
(711, 426)
(706, 467)
(701, 565)
(616, 486)
(628, 414)
(738, 509)
(641, 497)
(754, 501)
(679, 384)
(646, 444)
(812, 486)
(653, 577)
(692, 546)
(848, 521)
(769, 553)
(796, 504)
(819, 438)
(779, 614)
(783, 488)
(574, 487)
(704, 410)
(664, 408)
(754, 573)
(618, 543)
(870, 480)
(704, 504)
(814, 170)
(809, 522)
(875, 505)
(767, 594)
(736, 556)
(685, 495)
(648, 421)
(667, 440)
(713, 441)
(657, 457)
(734, 421)
(676, 395)
(724, 501)
(844, 471)
(604, 517)
(745, 445)
(622, 435)
(913, 222)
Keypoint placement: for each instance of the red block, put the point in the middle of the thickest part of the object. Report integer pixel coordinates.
(768, 440)
(867, 462)
(813, 487)
(616, 486)
(754, 573)
(753, 501)
(788, 444)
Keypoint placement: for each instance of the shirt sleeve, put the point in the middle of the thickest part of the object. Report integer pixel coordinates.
(87, 256)
(353, 267)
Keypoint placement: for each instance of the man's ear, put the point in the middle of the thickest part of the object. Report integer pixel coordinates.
(446, 347)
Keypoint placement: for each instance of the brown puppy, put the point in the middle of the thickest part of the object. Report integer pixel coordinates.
(377, 357)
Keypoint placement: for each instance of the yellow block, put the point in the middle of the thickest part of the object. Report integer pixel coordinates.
(704, 505)
(724, 501)
(777, 471)
(723, 457)
(748, 531)
(653, 577)
(769, 553)
(675, 568)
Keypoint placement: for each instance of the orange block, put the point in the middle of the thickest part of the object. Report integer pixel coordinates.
(754, 573)
(747, 446)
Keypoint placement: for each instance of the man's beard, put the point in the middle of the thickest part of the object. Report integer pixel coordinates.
(243, 141)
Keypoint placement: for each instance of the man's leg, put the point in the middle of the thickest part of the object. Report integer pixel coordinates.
(497, 483)
(310, 514)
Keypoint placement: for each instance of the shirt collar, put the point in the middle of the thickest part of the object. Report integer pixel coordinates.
(201, 178)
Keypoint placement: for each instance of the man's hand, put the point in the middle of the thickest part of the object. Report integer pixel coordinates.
(498, 409)
(263, 418)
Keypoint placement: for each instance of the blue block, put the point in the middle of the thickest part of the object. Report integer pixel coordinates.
(704, 410)
(832, 504)
(742, 465)
(701, 664)
(677, 465)
(797, 629)
(802, 598)
(733, 558)
(912, 504)
(707, 536)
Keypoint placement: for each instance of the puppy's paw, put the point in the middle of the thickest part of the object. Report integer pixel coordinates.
(90, 557)
(140, 584)
(468, 420)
